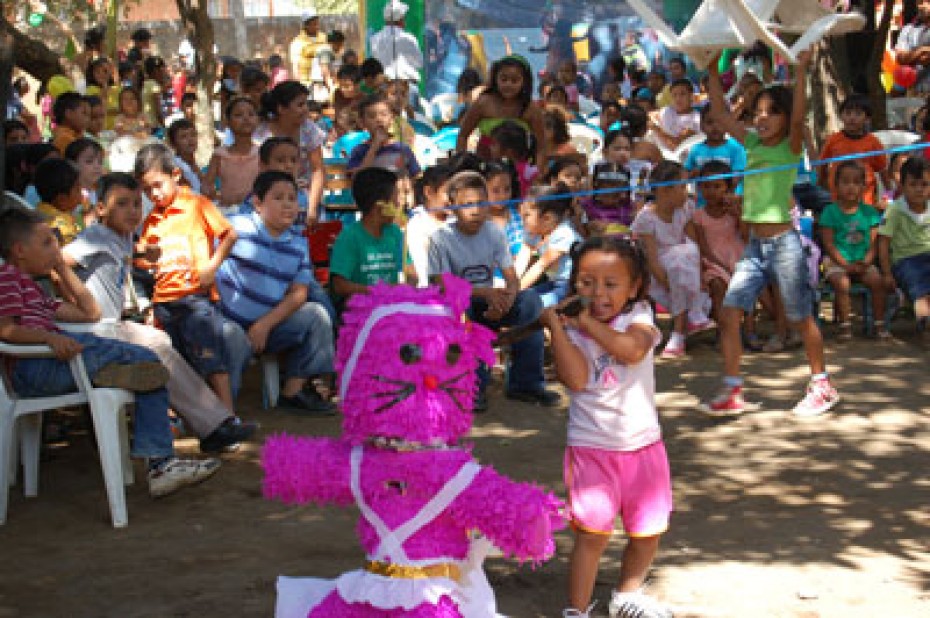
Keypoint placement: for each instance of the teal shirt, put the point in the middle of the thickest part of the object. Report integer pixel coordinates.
(767, 197)
(852, 234)
(361, 258)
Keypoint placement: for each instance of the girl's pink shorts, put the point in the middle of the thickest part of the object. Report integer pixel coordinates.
(633, 484)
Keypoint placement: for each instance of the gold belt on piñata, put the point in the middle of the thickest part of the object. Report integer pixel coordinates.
(401, 571)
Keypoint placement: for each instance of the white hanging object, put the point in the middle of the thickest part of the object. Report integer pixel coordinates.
(724, 24)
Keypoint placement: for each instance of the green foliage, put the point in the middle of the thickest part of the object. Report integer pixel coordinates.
(330, 7)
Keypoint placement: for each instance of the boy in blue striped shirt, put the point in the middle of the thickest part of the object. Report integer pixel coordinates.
(263, 288)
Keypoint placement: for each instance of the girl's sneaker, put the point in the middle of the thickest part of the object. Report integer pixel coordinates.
(820, 397)
(727, 402)
(635, 605)
(675, 348)
(699, 327)
(844, 331)
(571, 612)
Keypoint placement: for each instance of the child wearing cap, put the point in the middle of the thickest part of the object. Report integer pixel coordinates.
(610, 211)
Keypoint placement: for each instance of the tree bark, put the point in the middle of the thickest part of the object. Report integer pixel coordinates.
(197, 21)
(6, 78)
(237, 14)
(829, 78)
(31, 55)
(874, 68)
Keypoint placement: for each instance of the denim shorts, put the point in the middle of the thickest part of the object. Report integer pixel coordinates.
(913, 275)
(780, 260)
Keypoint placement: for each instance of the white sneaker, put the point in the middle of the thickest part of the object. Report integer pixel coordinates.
(177, 473)
(635, 605)
(571, 612)
(819, 399)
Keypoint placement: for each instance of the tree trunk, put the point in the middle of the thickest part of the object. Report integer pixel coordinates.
(197, 21)
(6, 78)
(237, 14)
(873, 70)
(30, 55)
(829, 77)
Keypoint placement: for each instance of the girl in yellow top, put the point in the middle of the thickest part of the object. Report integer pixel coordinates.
(774, 254)
(100, 83)
(509, 96)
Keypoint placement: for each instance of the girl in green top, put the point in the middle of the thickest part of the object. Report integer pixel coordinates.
(774, 254)
(509, 96)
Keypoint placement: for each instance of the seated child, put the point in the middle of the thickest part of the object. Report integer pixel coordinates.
(472, 247)
(28, 315)
(130, 121)
(99, 256)
(570, 172)
(272, 306)
(57, 182)
(904, 240)
(678, 121)
(15, 131)
(194, 239)
(87, 155)
(848, 230)
(97, 119)
(717, 146)
(235, 166)
(381, 149)
(369, 250)
(610, 211)
(71, 114)
(549, 219)
(503, 186)
(853, 138)
(281, 154)
(667, 233)
(182, 137)
(510, 140)
(371, 73)
(433, 199)
(717, 231)
(347, 93)
(397, 93)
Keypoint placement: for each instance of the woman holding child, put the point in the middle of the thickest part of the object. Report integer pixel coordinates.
(284, 109)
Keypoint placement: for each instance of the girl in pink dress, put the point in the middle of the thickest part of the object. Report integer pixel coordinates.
(236, 166)
(717, 229)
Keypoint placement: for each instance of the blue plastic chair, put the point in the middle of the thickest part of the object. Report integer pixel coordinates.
(445, 138)
(345, 144)
(422, 128)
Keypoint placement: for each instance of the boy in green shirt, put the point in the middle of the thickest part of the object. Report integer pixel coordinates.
(848, 228)
(369, 250)
(904, 240)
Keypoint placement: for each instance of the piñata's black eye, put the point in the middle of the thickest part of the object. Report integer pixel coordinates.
(453, 354)
(410, 353)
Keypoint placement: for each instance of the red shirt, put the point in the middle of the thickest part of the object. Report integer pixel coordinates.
(24, 301)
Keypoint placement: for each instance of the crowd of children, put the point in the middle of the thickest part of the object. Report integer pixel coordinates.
(526, 219)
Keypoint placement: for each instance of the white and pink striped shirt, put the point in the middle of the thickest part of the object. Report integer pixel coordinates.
(24, 301)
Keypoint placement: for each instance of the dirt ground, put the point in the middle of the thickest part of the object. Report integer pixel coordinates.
(774, 517)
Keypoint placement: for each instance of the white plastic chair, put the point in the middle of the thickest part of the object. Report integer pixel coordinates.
(25, 415)
(443, 107)
(587, 140)
(894, 138)
(271, 380)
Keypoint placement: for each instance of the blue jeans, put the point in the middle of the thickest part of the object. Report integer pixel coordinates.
(526, 359)
(781, 260)
(913, 275)
(306, 337)
(551, 293)
(316, 294)
(205, 338)
(43, 377)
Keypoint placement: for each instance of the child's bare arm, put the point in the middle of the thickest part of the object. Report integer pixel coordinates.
(718, 105)
(82, 306)
(208, 186)
(570, 365)
(208, 273)
(343, 287)
(64, 347)
(827, 234)
(294, 299)
(468, 124)
(628, 347)
(651, 250)
(869, 258)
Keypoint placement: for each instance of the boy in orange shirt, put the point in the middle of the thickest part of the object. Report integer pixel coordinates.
(71, 113)
(186, 227)
(855, 137)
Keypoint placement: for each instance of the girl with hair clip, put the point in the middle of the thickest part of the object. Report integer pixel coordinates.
(508, 96)
(615, 460)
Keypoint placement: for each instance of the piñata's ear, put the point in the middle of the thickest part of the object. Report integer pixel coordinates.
(456, 292)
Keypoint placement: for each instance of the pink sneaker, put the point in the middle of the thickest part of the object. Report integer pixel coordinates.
(727, 402)
(820, 397)
(700, 327)
(674, 349)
